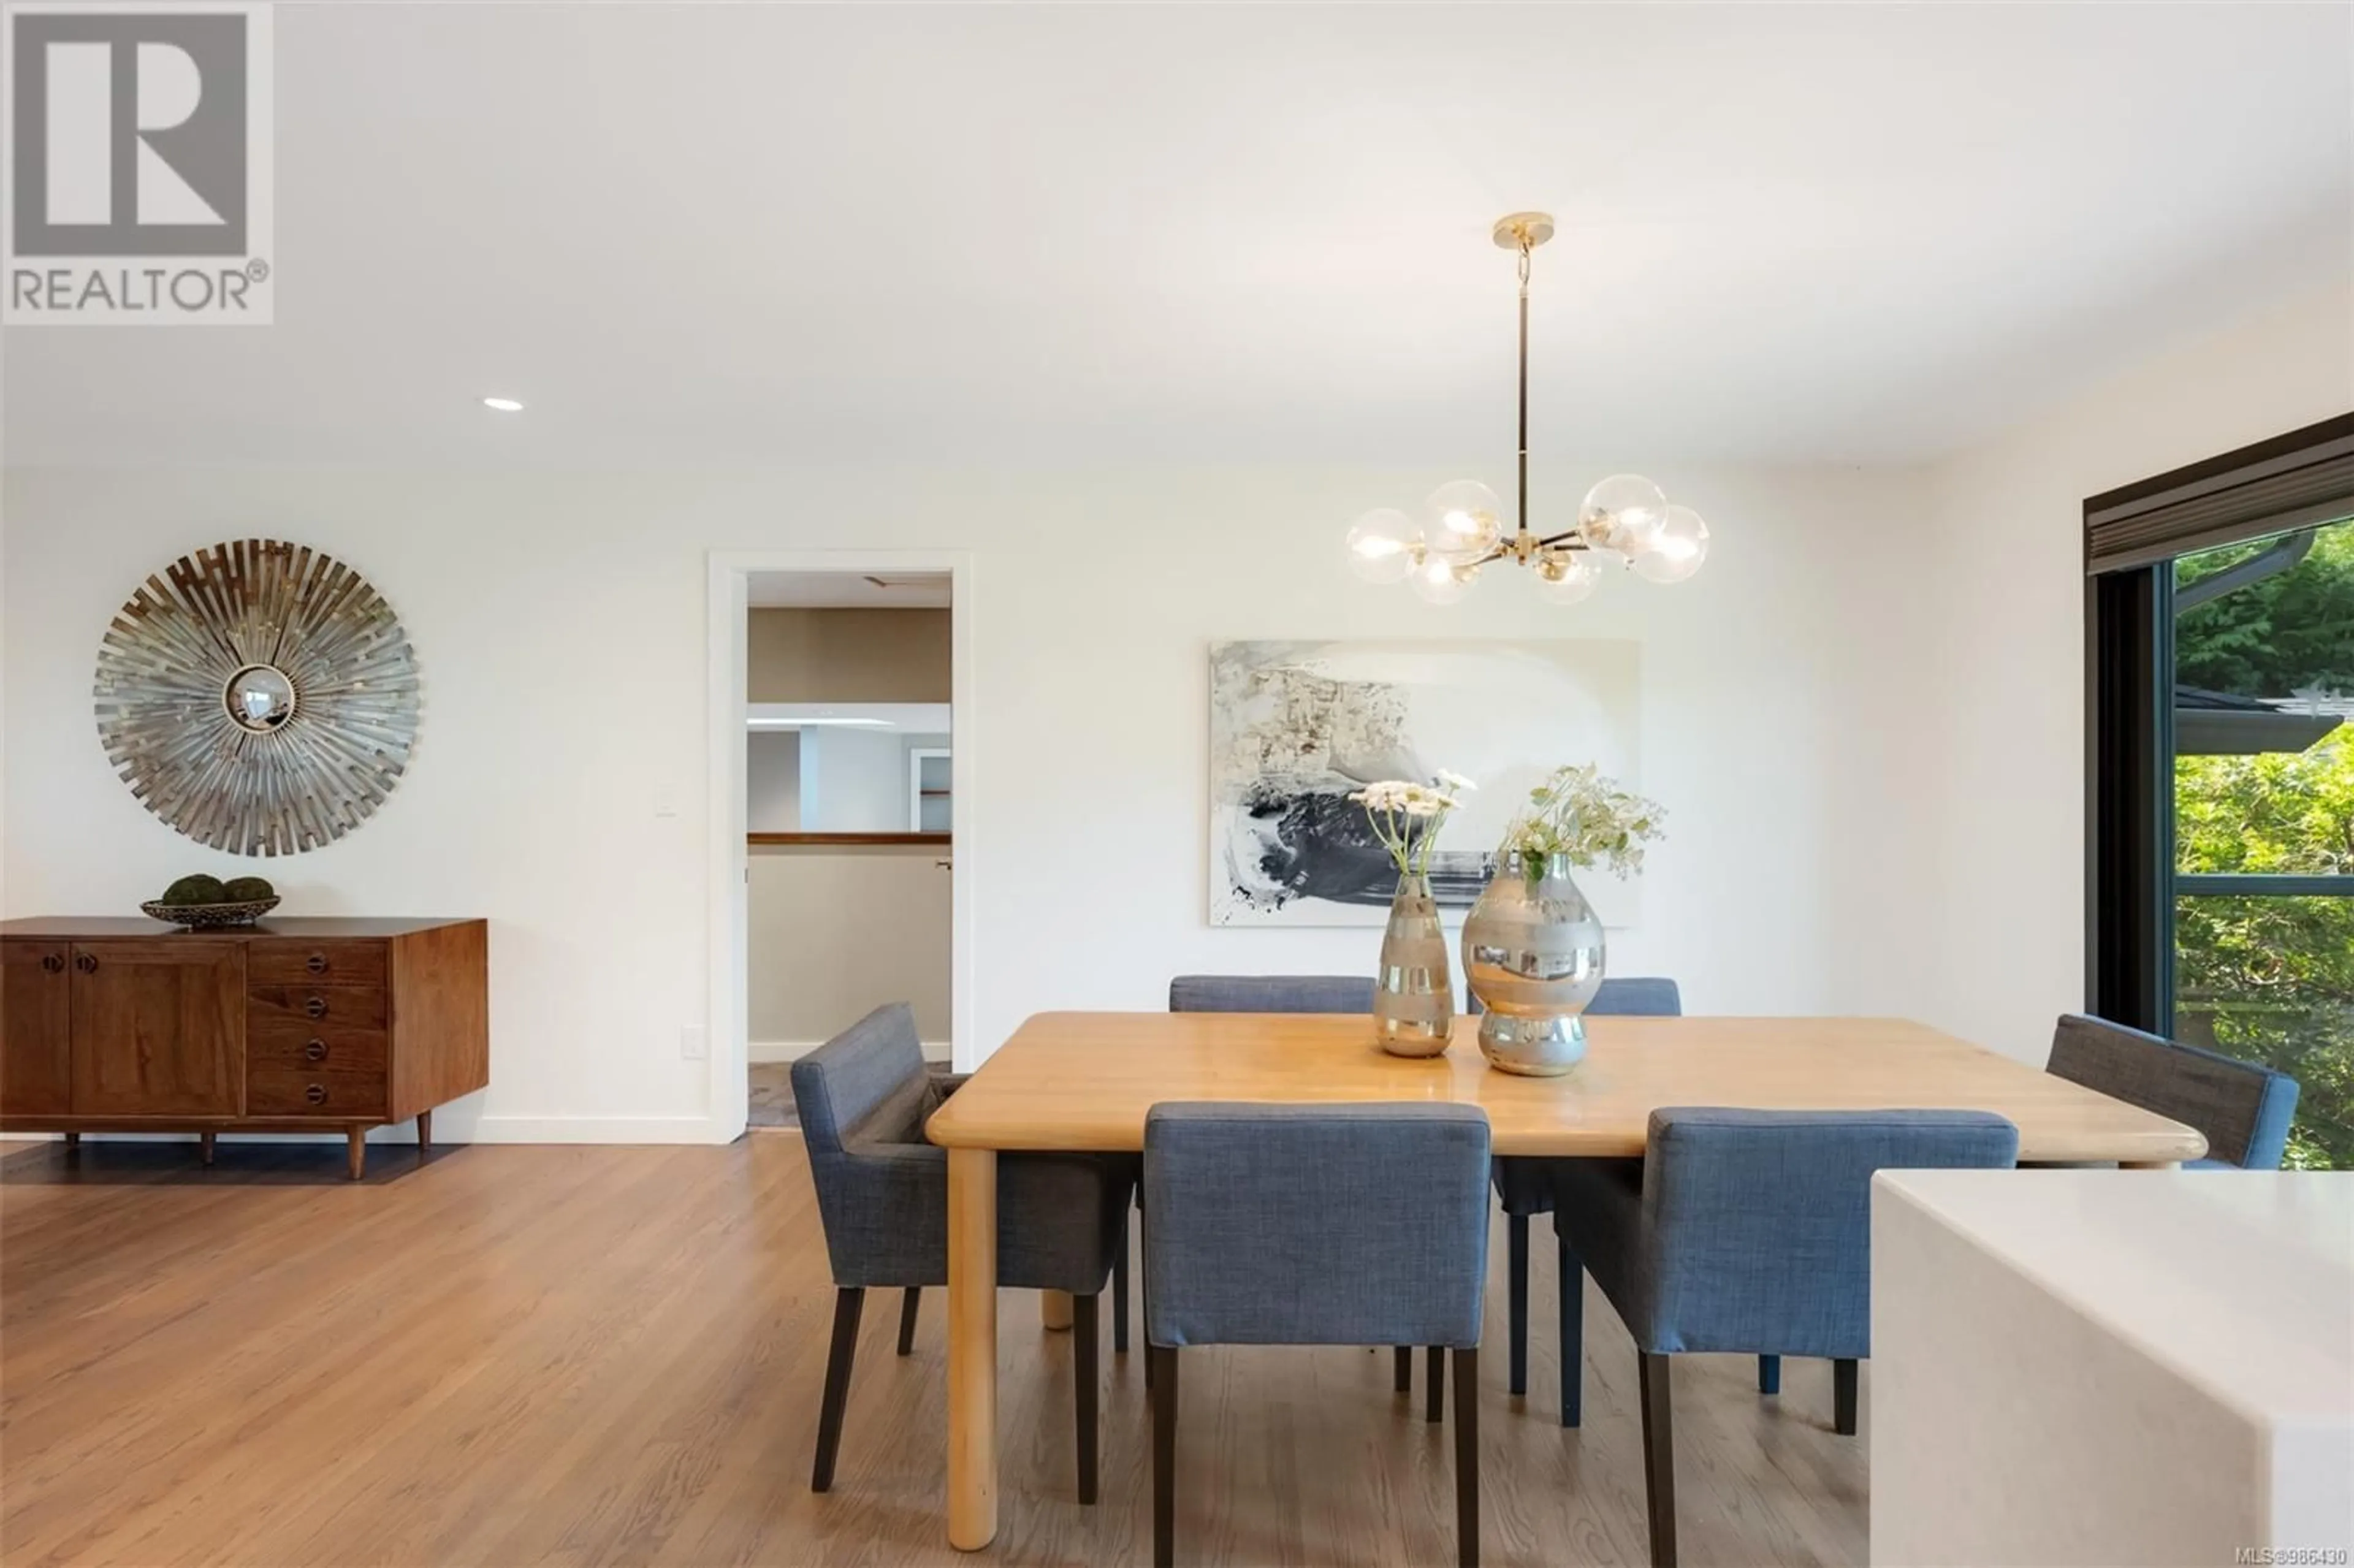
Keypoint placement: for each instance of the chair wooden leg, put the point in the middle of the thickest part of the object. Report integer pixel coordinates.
(1659, 1459)
(1405, 1369)
(1573, 1330)
(1467, 1457)
(846, 1304)
(1843, 1392)
(1769, 1374)
(1119, 1291)
(1435, 1406)
(1516, 1248)
(910, 1303)
(1165, 1453)
(1086, 1325)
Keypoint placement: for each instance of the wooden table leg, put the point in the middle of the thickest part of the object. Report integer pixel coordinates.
(973, 1348)
(424, 1130)
(1055, 1309)
(2149, 1164)
(357, 1152)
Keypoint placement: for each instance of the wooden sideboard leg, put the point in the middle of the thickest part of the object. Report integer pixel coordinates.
(205, 1147)
(358, 1151)
(424, 1130)
(73, 1140)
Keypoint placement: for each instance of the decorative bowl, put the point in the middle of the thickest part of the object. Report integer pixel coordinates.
(204, 916)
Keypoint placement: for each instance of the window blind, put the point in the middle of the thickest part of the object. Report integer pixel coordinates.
(2297, 480)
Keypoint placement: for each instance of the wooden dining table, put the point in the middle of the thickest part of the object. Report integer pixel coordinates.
(1084, 1081)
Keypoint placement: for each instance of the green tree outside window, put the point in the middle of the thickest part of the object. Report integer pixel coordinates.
(2271, 979)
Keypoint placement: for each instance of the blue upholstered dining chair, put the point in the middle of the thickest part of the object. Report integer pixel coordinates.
(883, 1195)
(1524, 1186)
(1748, 1231)
(1357, 1224)
(1254, 994)
(1270, 993)
(2243, 1107)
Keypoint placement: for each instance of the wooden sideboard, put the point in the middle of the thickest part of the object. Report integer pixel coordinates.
(296, 1025)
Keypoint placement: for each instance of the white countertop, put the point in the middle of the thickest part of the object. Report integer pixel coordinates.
(2240, 1280)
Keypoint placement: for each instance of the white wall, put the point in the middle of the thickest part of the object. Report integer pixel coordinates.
(853, 781)
(1791, 725)
(2009, 698)
(772, 780)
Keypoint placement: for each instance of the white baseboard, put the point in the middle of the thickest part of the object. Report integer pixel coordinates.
(794, 1050)
(592, 1130)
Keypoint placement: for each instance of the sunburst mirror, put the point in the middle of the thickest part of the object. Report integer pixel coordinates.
(259, 696)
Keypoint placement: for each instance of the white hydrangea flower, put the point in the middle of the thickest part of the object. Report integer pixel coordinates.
(1406, 817)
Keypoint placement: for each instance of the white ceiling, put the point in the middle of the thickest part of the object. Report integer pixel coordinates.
(847, 590)
(1073, 234)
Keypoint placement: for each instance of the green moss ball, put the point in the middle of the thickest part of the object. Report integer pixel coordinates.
(247, 890)
(196, 889)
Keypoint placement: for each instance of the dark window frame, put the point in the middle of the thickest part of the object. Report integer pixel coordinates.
(2131, 882)
(2129, 797)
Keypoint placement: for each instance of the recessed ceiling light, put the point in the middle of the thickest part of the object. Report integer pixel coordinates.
(503, 405)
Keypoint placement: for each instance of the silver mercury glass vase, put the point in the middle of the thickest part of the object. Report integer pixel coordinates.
(1413, 994)
(1532, 955)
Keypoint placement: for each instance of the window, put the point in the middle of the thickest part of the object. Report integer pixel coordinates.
(2263, 818)
(2221, 667)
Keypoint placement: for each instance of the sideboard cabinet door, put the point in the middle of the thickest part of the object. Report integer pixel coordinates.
(158, 1028)
(35, 1027)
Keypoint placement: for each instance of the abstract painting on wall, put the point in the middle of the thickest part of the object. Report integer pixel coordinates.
(1296, 727)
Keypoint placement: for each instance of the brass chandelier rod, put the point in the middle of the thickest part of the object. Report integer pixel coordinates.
(1525, 231)
(1521, 539)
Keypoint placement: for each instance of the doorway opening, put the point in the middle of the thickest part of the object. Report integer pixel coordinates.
(840, 745)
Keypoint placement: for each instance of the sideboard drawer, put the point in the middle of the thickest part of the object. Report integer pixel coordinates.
(286, 1091)
(285, 960)
(361, 1007)
(300, 1045)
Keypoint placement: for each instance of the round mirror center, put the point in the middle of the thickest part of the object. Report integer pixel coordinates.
(260, 698)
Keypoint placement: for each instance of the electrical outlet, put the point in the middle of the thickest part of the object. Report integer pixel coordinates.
(694, 1042)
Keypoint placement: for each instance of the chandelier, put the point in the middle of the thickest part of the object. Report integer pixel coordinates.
(1625, 518)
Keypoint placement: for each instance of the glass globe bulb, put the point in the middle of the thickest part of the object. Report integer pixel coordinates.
(1675, 547)
(1438, 581)
(1381, 546)
(1566, 577)
(1621, 513)
(1462, 520)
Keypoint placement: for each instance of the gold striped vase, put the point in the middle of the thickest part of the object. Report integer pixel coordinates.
(1413, 994)
(1533, 954)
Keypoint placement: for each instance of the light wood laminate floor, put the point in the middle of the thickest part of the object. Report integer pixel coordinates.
(607, 1355)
